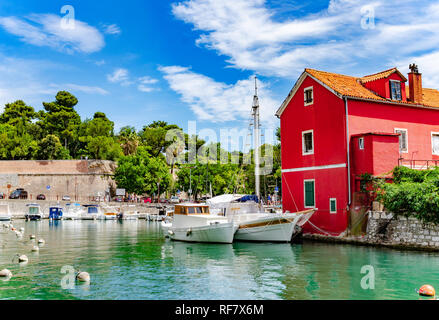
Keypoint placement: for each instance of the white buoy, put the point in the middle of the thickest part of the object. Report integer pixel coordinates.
(32, 236)
(83, 277)
(23, 258)
(35, 249)
(41, 241)
(5, 273)
(22, 229)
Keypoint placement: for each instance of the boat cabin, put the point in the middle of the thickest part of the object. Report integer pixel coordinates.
(191, 209)
(92, 209)
(55, 213)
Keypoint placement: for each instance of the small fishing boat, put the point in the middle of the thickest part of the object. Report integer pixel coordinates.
(194, 223)
(55, 213)
(92, 212)
(72, 212)
(110, 213)
(5, 214)
(34, 212)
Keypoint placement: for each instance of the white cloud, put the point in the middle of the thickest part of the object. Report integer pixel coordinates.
(85, 89)
(46, 30)
(253, 37)
(145, 84)
(216, 101)
(119, 76)
(113, 29)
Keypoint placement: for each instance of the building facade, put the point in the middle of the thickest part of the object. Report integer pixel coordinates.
(81, 180)
(335, 128)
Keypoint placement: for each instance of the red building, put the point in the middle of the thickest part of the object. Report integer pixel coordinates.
(336, 127)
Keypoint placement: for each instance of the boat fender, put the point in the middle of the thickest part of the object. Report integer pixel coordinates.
(171, 232)
(427, 291)
(21, 258)
(5, 273)
(189, 233)
(83, 276)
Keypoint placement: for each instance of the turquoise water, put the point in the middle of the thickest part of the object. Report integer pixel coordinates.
(132, 260)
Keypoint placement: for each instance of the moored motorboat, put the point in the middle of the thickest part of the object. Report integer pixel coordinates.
(194, 223)
(34, 212)
(92, 212)
(55, 213)
(72, 212)
(5, 213)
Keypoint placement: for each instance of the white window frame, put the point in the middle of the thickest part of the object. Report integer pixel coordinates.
(312, 96)
(407, 139)
(330, 200)
(304, 193)
(361, 143)
(303, 143)
(400, 89)
(433, 134)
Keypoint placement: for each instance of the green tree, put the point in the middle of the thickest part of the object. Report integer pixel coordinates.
(50, 148)
(61, 118)
(98, 136)
(129, 140)
(140, 173)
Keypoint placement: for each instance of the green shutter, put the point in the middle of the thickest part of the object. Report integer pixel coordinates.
(309, 194)
(333, 205)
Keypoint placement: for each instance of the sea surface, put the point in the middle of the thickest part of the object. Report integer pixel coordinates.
(133, 260)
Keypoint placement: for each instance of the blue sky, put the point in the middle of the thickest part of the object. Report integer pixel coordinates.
(140, 61)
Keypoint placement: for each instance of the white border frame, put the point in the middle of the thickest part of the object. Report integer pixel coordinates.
(359, 146)
(407, 137)
(436, 134)
(303, 143)
(332, 199)
(304, 193)
(312, 96)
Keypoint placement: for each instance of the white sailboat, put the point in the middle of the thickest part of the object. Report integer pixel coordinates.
(73, 212)
(254, 224)
(5, 213)
(194, 223)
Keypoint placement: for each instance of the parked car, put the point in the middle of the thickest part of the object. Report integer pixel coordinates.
(175, 199)
(66, 198)
(117, 199)
(18, 194)
(41, 197)
(147, 200)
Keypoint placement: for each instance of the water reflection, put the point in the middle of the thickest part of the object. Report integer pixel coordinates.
(132, 260)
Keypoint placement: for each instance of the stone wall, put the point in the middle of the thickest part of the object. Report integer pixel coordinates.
(82, 180)
(383, 228)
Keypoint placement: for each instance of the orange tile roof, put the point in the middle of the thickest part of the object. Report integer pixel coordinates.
(345, 85)
(381, 75)
(352, 87)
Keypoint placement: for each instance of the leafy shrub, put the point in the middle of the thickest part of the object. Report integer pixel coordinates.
(415, 193)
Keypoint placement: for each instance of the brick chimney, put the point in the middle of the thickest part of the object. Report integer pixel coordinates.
(415, 84)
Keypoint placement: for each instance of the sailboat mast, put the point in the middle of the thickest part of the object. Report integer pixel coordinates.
(256, 137)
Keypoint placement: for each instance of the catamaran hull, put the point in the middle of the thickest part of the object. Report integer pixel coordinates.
(280, 232)
(218, 233)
